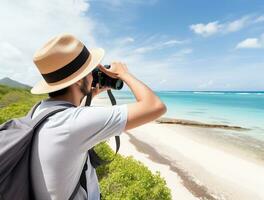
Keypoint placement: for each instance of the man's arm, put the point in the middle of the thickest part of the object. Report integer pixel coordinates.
(148, 106)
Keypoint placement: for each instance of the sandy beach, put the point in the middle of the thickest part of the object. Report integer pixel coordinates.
(197, 162)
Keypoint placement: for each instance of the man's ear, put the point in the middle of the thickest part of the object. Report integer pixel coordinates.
(79, 83)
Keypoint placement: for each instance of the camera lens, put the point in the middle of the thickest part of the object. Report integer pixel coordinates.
(119, 84)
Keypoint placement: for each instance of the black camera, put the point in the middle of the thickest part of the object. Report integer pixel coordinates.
(105, 80)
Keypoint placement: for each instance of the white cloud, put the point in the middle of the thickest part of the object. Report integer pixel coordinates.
(237, 24)
(173, 42)
(158, 46)
(179, 56)
(259, 19)
(119, 3)
(215, 27)
(155, 70)
(27, 25)
(127, 40)
(142, 50)
(183, 52)
(206, 29)
(251, 43)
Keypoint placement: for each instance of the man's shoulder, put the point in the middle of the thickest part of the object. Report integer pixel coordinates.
(81, 114)
(72, 113)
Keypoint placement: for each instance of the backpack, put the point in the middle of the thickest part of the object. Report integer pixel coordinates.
(16, 136)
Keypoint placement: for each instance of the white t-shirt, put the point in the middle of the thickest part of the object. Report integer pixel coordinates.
(60, 148)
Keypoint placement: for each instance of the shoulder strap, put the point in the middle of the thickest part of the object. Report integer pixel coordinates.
(96, 161)
(32, 110)
(40, 116)
(81, 182)
(45, 114)
(75, 191)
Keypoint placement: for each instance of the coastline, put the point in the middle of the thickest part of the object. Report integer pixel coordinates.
(197, 162)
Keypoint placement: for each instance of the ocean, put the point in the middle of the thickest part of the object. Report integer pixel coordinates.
(244, 109)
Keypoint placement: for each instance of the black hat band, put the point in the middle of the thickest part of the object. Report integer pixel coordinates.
(68, 69)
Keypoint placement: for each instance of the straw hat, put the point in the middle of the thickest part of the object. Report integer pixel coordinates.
(62, 61)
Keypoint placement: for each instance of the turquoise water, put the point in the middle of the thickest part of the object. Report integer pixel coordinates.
(245, 109)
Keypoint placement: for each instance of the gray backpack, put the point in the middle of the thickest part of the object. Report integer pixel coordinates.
(16, 136)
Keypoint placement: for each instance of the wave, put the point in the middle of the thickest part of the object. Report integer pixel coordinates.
(209, 93)
(243, 93)
(229, 92)
(249, 93)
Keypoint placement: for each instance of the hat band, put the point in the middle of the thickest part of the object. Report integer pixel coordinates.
(68, 69)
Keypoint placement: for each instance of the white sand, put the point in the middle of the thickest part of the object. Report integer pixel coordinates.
(222, 175)
(172, 179)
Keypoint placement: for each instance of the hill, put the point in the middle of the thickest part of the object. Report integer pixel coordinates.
(12, 83)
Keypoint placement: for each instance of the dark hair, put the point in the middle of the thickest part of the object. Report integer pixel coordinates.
(58, 92)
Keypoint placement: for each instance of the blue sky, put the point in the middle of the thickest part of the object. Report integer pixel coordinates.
(169, 45)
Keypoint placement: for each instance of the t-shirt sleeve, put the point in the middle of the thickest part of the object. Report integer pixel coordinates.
(91, 125)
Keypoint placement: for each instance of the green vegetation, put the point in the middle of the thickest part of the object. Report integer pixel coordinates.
(15, 102)
(124, 178)
(127, 179)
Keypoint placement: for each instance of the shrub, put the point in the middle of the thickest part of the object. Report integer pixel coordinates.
(126, 178)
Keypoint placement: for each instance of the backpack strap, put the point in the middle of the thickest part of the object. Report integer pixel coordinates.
(32, 110)
(75, 191)
(46, 113)
(96, 161)
(81, 182)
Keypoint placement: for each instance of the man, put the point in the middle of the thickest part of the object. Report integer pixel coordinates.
(61, 143)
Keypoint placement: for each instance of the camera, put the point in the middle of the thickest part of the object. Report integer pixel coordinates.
(105, 80)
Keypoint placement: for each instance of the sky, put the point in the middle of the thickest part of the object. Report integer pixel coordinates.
(168, 45)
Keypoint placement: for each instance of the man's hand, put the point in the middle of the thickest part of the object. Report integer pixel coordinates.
(96, 90)
(116, 70)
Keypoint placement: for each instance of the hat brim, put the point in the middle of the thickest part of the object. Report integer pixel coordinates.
(42, 87)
